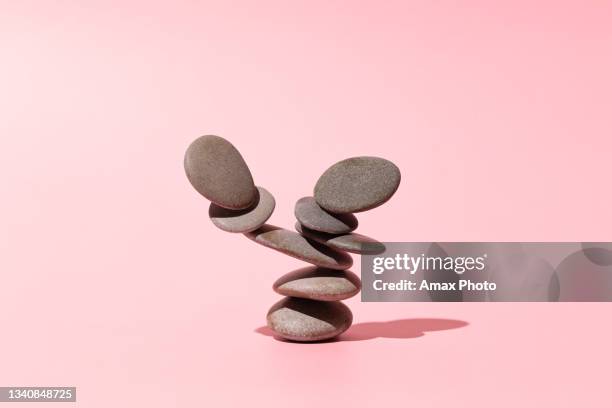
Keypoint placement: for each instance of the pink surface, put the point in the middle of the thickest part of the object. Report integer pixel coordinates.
(115, 281)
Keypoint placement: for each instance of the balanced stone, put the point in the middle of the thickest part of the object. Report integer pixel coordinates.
(312, 216)
(357, 184)
(244, 220)
(352, 242)
(308, 320)
(318, 284)
(216, 170)
(295, 245)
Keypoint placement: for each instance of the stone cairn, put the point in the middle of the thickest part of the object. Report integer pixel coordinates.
(312, 309)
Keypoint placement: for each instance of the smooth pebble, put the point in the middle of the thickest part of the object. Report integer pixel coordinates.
(318, 284)
(244, 220)
(352, 242)
(357, 184)
(216, 170)
(295, 245)
(312, 216)
(308, 320)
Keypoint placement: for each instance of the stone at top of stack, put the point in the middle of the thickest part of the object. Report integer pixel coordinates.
(357, 184)
(216, 169)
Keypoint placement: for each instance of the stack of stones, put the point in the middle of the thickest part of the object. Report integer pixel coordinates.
(312, 309)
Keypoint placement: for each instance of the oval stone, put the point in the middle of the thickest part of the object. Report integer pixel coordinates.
(318, 284)
(357, 184)
(352, 242)
(295, 245)
(244, 220)
(308, 320)
(216, 170)
(312, 216)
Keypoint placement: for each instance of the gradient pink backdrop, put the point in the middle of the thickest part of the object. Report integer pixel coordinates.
(497, 113)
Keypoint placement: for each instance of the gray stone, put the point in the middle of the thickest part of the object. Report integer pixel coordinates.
(308, 320)
(357, 184)
(217, 171)
(295, 245)
(318, 284)
(352, 242)
(244, 220)
(312, 216)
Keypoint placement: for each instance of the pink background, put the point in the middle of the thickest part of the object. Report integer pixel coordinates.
(114, 280)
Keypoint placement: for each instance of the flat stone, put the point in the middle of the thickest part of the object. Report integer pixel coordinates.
(308, 320)
(216, 170)
(312, 216)
(295, 245)
(352, 242)
(318, 284)
(357, 184)
(244, 220)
